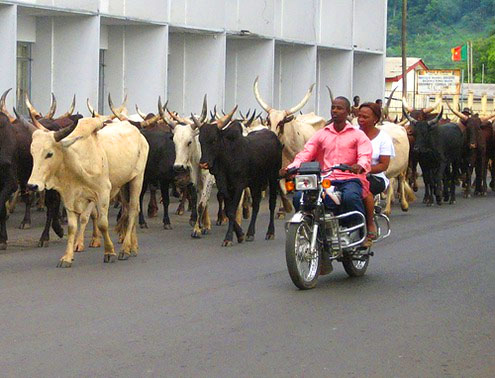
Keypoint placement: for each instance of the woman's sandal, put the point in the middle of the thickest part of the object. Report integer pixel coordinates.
(372, 235)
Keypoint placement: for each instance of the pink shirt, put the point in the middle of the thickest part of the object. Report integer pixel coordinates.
(329, 147)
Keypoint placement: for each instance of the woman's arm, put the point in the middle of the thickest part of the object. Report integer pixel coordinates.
(382, 165)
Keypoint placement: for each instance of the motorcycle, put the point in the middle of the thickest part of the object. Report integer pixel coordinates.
(316, 236)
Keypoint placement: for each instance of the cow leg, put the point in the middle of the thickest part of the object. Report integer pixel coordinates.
(272, 204)
(164, 187)
(390, 194)
(13, 201)
(26, 222)
(231, 205)
(193, 199)
(83, 222)
(454, 177)
(129, 246)
(152, 205)
(52, 200)
(66, 260)
(4, 194)
(221, 217)
(41, 201)
(401, 179)
(206, 227)
(256, 193)
(142, 222)
(246, 203)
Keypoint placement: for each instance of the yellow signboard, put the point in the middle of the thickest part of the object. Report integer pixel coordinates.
(431, 82)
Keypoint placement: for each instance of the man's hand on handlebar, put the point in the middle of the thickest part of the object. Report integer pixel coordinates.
(357, 169)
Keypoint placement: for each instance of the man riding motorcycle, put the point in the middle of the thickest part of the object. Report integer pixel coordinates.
(339, 143)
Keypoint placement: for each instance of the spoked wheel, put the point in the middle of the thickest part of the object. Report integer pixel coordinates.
(303, 265)
(356, 263)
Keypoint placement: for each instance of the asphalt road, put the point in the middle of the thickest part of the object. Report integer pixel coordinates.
(188, 307)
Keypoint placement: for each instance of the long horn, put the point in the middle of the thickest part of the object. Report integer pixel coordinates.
(204, 111)
(222, 122)
(196, 123)
(162, 110)
(141, 114)
(61, 134)
(69, 112)
(303, 101)
(250, 121)
(156, 118)
(31, 108)
(217, 116)
(53, 107)
(387, 106)
(487, 118)
(3, 108)
(36, 123)
(434, 106)
(178, 118)
(330, 94)
(406, 114)
(406, 106)
(260, 100)
(458, 114)
(436, 119)
(93, 112)
(116, 112)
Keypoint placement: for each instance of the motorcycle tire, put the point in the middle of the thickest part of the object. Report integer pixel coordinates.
(304, 274)
(356, 268)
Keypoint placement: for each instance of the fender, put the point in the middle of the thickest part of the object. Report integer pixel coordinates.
(297, 217)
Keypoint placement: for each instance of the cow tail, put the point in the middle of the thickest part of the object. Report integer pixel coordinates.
(410, 196)
(123, 221)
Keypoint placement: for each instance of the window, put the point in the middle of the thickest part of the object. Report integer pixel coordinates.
(101, 84)
(23, 75)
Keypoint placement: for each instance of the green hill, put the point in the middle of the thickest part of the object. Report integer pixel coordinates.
(436, 26)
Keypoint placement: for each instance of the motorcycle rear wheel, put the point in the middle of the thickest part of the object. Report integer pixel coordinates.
(356, 268)
(303, 268)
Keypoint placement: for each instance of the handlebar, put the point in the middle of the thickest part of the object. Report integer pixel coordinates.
(340, 167)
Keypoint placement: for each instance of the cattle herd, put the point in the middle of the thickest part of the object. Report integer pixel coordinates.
(87, 164)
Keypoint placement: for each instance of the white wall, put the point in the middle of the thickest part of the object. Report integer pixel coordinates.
(42, 64)
(300, 19)
(196, 66)
(295, 71)
(257, 16)
(370, 24)
(26, 28)
(335, 70)
(336, 23)
(199, 13)
(247, 59)
(8, 46)
(368, 67)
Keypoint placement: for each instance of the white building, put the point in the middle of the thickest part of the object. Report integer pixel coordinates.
(182, 49)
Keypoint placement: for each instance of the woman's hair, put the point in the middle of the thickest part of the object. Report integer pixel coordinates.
(375, 108)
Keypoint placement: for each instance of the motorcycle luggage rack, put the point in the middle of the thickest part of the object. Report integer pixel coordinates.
(343, 231)
(387, 221)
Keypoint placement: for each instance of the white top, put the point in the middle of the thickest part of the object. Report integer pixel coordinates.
(382, 146)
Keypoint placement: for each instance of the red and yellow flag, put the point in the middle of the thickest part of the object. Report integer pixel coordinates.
(459, 53)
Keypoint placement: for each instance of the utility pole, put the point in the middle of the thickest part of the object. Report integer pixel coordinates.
(404, 48)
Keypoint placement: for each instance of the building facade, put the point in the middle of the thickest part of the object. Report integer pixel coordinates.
(182, 49)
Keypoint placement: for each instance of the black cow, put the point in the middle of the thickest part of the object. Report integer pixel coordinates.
(238, 162)
(438, 150)
(8, 184)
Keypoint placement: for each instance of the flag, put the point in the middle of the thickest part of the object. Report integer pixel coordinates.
(459, 53)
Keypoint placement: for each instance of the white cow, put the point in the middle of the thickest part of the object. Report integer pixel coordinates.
(91, 163)
(397, 168)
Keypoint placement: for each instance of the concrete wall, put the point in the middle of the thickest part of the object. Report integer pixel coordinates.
(8, 31)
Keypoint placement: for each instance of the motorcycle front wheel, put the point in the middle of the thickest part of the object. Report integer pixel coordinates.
(303, 265)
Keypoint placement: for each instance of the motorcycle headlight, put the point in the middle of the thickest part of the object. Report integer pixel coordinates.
(306, 182)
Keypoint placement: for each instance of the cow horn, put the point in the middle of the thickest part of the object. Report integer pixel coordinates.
(387, 106)
(406, 106)
(61, 134)
(303, 101)
(116, 112)
(260, 100)
(434, 106)
(162, 110)
(222, 122)
(141, 114)
(36, 123)
(53, 108)
(436, 119)
(458, 114)
(406, 113)
(155, 118)
(31, 108)
(69, 112)
(178, 118)
(91, 109)
(3, 108)
(487, 118)
(195, 121)
(330, 94)
(217, 116)
(204, 110)
(250, 121)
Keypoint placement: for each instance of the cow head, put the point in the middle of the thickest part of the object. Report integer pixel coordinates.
(422, 131)
(278, 118)
(473, 126)
(210, 137)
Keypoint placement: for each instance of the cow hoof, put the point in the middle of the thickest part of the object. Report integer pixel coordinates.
(143, 225)
(195, 235)
(59, 231)
(95, 243)
(64, 264)
(429, 204)
(79, 248)
(281, 216)
(219, 222)
(3, 246)
(205, 231)
(152, 213)
(109, 258)
(227, 243)
(404, 209)
(241, 238)
(124, 256)
(25, 226)
(134, 253)
(269, 237)
(452, 202)
(192, 222)
(179, 211)
(167, 226)
(250, 238)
